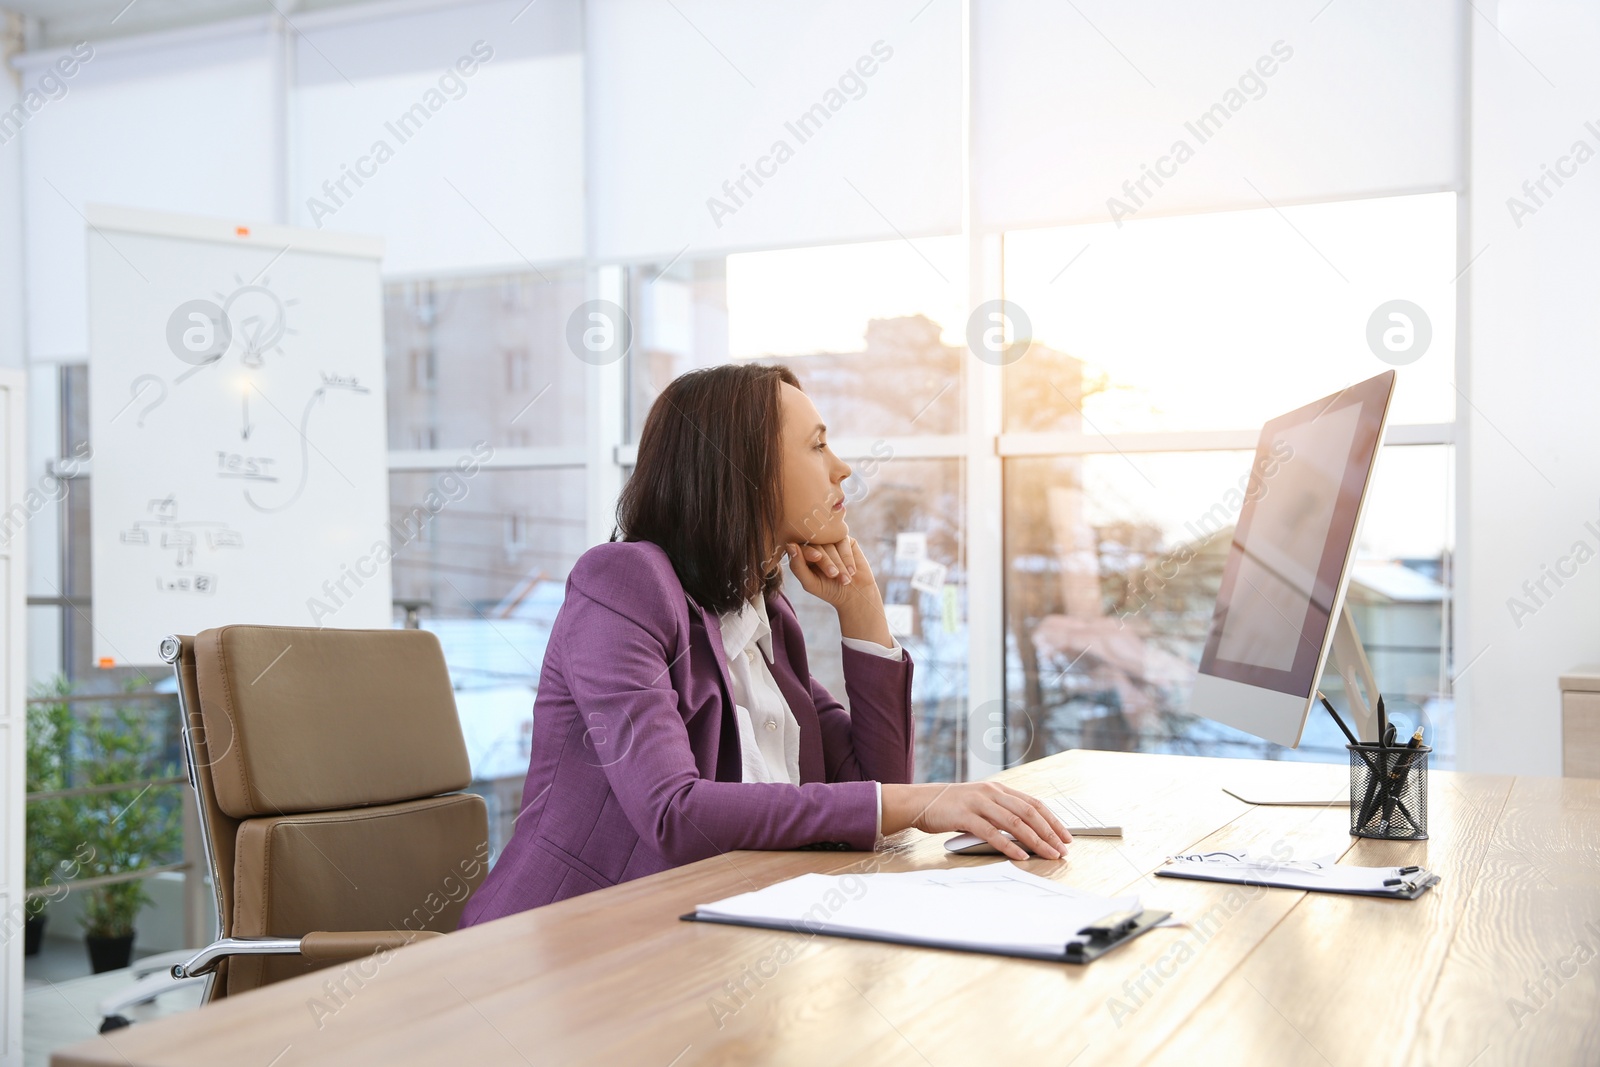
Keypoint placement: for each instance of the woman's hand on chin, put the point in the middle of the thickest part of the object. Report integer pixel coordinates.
(839, 574)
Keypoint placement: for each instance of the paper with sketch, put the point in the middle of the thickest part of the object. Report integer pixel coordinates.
(995, 907)
(901, 619)
(910, 547)
(929, 576)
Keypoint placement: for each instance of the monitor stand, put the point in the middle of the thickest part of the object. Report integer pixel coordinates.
(1348, 659)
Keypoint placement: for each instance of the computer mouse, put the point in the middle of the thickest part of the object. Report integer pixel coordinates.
(973, 845)
(1081, 822)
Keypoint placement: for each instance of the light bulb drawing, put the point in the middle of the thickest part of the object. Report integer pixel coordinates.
(259, 315)
(252, 319)
(252, 322)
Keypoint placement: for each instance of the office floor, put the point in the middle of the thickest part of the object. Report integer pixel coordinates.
(60, 999)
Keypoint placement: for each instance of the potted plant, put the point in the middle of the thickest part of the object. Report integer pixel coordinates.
(48, 765)
(125, 830)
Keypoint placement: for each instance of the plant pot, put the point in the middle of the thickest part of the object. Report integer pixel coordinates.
(109, 953)
(33, 934)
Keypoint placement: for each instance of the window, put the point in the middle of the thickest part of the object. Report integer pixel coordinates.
(516, 533)
(1101, 632)
(875, 334)
(424, 369)
(452, 535)
(482, 561)
(519, 370)
(1111, 581)
(1259, 312)
(1104, 628)
(484, 358)
(924, 593)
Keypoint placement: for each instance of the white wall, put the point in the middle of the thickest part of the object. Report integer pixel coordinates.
(11, 339)
(1532, 458)
(13, 717)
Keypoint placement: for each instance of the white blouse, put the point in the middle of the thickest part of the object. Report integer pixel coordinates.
(769, 736)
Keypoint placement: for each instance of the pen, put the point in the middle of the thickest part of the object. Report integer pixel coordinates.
(1390, 771)
(1416, 740)
(1398, 776)
(1401, 769)
(1327, 704)
(1410, 818)
(1373, 783)
(1369, 801)
(1383, 723)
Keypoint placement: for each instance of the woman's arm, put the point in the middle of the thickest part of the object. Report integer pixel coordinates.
(622, 679)
(868, 744)
(874, 740)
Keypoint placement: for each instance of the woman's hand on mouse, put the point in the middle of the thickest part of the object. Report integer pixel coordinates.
(988, 809)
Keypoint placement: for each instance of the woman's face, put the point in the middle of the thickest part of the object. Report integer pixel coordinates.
(812, 492)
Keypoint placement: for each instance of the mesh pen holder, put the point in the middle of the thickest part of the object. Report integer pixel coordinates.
(1389, 792)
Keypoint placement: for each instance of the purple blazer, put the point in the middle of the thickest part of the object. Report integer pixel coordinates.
(636, 764)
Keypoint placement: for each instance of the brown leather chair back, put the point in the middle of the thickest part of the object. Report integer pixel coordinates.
(327, 766)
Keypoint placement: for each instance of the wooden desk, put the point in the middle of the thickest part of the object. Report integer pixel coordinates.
(1274, 977)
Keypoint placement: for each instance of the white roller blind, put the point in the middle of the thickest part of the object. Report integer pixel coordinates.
(457, 134)
(1298, 101)
(182, 126)
(689, 95)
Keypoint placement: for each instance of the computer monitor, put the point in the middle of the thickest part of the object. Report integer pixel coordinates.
(1280, 608)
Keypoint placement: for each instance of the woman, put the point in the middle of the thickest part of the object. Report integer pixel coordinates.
(676, 717)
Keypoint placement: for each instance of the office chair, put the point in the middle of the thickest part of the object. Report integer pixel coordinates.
(327, 767)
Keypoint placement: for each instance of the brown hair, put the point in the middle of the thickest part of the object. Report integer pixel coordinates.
(707, 481)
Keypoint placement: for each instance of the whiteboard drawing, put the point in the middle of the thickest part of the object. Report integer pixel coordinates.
(334, 382)
(236, 392)
(251, 320)
(180, 539)
(140, 388)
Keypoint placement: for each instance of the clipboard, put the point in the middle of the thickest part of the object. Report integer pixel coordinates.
(1408, 883)
(1100, 937)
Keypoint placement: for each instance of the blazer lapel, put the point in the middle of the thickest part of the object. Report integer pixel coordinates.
(812, 765)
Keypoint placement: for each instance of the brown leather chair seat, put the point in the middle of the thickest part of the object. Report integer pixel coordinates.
(327, 766)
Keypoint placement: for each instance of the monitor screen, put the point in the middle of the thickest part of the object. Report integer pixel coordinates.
(1293, 540)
